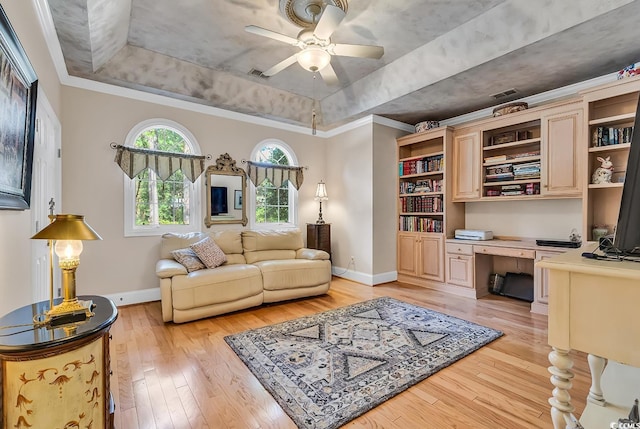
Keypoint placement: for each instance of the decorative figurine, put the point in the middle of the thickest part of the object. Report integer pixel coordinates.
(604, 172)
(634, 415)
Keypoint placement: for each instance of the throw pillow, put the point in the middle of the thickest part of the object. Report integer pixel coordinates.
(188, 258)
(209, 252)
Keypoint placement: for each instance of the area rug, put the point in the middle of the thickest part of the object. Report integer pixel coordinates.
(325, 370)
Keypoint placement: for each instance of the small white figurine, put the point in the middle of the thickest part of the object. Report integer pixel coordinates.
(604, 172)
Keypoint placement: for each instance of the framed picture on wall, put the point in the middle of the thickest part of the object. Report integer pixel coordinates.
(237, 200)
(18, 90)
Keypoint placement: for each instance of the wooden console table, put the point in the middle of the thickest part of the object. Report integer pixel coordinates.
(59, 376)
(593, 308)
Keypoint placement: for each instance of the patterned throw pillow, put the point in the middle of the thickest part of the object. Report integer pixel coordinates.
(209, 252)
(188, 258)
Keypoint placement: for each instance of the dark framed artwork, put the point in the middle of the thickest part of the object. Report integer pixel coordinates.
(237, 199)
(18, 91)
(219, 200)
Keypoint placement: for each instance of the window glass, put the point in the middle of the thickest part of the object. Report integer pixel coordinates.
(274, 207)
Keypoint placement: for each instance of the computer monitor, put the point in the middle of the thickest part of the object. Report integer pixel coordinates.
(627, 235)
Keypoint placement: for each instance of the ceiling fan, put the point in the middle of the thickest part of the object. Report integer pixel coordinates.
(315, 44)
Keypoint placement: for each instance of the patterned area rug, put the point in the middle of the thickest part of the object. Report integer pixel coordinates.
(327, 369)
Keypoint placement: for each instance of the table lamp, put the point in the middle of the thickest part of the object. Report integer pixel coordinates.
(68, 231)
(321, 195)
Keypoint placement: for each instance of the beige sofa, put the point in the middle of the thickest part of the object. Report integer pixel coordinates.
(261, 266)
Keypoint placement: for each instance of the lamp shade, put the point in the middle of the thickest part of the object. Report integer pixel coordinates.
(321, 192)
(67, 227)
(314, 58)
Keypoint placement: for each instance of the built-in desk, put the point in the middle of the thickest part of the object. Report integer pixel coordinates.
(593, 308)
(470, 263)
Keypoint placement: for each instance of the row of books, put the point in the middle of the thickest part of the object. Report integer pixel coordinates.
(516, 189)
(503, 157)
(426, 185)
(420, 224)
(605, 136)
(424, 165)
(421, 204)
(506, 172)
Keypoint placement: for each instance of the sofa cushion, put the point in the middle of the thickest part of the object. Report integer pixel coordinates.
(188, 258)
(213, 286)
(272, 240)
(294, 273)
(270, 245)
(209, 252)
(230, 241)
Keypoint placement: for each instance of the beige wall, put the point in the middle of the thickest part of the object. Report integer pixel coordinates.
(93, 183)
(385, 222)
(533, 219)
(15, 226)
(349, 209)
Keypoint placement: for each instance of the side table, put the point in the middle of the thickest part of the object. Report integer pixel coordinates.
(319, 236)
(56, 376)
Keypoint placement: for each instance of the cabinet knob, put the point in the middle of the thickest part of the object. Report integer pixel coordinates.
(110, 372)
(110, 337)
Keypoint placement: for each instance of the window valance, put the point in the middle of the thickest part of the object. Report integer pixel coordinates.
(135, 160)
(277, 174)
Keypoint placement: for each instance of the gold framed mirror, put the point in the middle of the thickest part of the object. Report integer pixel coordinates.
(226, 185)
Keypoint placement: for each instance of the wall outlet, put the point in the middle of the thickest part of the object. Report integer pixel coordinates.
(352, 260)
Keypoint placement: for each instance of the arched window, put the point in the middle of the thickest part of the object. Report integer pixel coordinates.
(153, 206)
(273, 207)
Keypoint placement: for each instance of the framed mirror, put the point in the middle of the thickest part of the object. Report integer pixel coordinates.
(225, 184)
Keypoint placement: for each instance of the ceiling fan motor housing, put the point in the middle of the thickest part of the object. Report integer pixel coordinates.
(304, 13)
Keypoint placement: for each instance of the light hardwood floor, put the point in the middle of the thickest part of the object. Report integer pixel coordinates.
(185, 375)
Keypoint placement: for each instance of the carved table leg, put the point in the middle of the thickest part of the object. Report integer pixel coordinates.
(596, 367)
(560, 402)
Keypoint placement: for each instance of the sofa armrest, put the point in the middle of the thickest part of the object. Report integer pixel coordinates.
(168, 268)
(313, 254)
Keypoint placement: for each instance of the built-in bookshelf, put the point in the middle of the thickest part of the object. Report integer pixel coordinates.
(511, 161)
(611, 114)
(426, 215)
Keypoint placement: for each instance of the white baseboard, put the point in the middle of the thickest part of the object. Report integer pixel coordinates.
(135, 297)
(363, 278)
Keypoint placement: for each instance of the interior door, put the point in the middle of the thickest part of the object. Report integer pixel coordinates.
(45, 195)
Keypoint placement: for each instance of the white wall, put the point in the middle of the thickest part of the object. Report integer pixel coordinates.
(93, 183)
(530, 219)
(15, 226)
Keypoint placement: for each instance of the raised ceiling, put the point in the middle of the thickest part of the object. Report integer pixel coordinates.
(442, 58)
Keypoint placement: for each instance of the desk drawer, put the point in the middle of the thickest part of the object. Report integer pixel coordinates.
(505, 251)
(460, 249)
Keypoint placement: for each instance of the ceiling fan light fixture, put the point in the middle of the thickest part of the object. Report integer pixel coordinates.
(314, 58)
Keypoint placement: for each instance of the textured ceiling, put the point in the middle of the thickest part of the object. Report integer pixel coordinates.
(442, 57)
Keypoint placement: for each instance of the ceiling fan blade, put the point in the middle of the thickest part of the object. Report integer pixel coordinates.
(329, 21)
(363, 51)
(281, 65)
(271, 34)
(329, 75)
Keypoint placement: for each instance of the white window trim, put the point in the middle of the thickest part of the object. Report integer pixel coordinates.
(195, 189)
(293, 193)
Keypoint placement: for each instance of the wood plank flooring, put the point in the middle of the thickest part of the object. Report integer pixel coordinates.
(185, 376)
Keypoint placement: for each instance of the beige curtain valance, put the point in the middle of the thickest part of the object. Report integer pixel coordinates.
(135, 160)
(277, 174)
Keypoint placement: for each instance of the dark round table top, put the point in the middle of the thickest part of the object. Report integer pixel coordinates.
(22, 336)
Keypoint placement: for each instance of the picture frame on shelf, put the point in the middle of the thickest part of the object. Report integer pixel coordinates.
(18, 92)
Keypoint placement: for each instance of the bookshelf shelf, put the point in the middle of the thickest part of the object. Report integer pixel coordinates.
(512, 161)
(611, 147)
(426, 173)
(614, 120)
(512, 182)
(606, 185)
(420, 194)
(511, 144)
